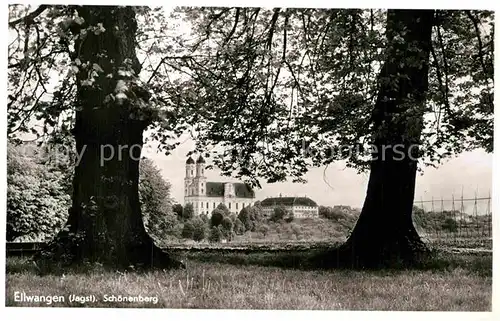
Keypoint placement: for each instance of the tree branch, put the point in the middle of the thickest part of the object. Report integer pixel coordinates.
(475, 22)
(231, 33)
(30, 18)
(443, 87)
(271, 28)
(155, 71)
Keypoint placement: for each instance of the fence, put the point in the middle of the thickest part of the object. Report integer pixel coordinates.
(456, 221)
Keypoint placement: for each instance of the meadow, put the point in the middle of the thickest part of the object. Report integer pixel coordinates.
(447, 282)
(320, 231)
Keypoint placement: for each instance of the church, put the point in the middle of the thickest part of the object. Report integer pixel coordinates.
(206, 196)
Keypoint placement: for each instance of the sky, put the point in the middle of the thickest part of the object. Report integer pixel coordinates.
(339, 185)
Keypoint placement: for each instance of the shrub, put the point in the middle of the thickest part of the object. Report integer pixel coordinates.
(289, 218)
(188, 230)
(297, 231)
(450, 225)
(263, 229)
(215, 235)
(217, 217)
(338, 213)
(204, 218)
(279, 214)
(188, 212)
(239, 227)
(227, 228)
(246, 219)
(199, 229)
(226, 223)
(177, 209)
(175, 231)
(223, 208)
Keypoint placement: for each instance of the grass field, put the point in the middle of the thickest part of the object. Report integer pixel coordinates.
(321, 230)
(238, 281)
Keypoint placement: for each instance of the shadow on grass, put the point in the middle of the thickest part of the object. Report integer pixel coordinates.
(480, 264)
(26, 265)
(437, 261)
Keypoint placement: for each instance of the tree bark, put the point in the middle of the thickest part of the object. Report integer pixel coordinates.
(384, 233)
(105, 223)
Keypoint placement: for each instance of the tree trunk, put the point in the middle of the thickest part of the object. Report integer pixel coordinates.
(105, 222)
(384, 233)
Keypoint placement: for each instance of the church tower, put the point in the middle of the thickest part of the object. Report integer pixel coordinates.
(189, 178)
(200, 181)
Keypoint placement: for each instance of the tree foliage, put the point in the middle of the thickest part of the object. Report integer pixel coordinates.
(251, 216)
(188, 211)
(177, 209)
(227, 228)
(223, 209)
(226, 223)
(217, 216)
(279, 213)
(188, 230)
(263, 229)
(239, 227)
(215, 234)
(297, 86)
(156, 203)
(37, 195)
(199, 229)
(246, 219)
(204, 218)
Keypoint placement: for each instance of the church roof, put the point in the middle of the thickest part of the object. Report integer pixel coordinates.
(288, 201)
(190, 160)
(200, 160)
(216, 189)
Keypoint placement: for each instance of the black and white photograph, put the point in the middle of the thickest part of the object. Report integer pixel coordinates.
(266, 156)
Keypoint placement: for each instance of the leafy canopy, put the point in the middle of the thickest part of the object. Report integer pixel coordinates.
(266, 93)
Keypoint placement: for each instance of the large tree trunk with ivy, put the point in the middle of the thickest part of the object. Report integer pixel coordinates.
(105, 223)
(384, 232)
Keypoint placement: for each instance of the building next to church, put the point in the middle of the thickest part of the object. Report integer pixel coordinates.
(301, 207)
(206, 196)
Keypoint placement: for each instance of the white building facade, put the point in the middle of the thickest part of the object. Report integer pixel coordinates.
(206, 196)
(301, 207)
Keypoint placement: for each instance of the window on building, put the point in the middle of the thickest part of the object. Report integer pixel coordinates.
(191, 172)
(236, 205)
(214, 204)
(202, 190)
(207, 205)
(229, 205)
(201, 204)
